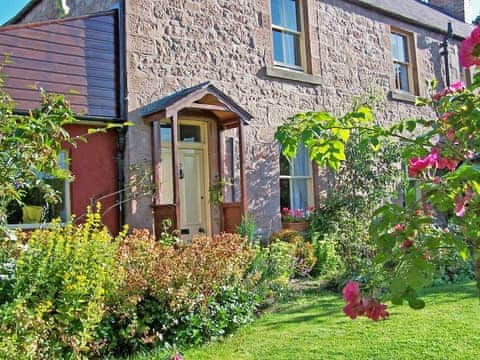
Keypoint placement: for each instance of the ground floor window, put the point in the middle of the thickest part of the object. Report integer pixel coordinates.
(296, 183)
(35, 210)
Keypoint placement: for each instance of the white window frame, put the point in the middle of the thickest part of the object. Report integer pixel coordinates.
(301, 39)
(309, 179)
(66, 200)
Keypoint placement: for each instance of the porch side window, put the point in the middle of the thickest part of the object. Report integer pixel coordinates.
(403, 64)
(166, 187)
(296, 183)
(288, 33)
(35, 211)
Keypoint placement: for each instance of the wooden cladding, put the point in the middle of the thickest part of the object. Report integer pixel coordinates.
(77, 57)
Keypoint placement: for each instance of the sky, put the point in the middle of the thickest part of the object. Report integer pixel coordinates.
(8, 8)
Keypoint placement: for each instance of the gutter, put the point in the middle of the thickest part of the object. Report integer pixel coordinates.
(394, 15)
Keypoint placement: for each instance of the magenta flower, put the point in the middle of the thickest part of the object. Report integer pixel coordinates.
(470, 49)
(374, 310)
(351, 292)
(462, 201)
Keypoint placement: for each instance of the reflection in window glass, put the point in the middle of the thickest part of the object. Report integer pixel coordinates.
(296, 181)
(286, 32)
(190, 133)
(35, 210)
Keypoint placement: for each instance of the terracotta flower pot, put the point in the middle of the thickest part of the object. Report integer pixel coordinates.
(297, 226)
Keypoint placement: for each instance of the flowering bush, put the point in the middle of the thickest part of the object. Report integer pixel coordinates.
(298, 215)
(442, 154)
(57, 296)
(304, 252)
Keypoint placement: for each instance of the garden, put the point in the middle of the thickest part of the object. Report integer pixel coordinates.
(386, 235)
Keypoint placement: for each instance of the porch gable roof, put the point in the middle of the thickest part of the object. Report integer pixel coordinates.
(196, 97)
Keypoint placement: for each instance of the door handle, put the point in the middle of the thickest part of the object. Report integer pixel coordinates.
(180, 172)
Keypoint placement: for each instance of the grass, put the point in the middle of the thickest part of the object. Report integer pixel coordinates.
(314, 327)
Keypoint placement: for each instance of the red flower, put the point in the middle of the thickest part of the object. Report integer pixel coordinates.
(407, 244)
(353, 310)
(470, 49)
(374, 310)
(351, 292)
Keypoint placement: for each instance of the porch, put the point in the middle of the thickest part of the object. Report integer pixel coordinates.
(198, 160)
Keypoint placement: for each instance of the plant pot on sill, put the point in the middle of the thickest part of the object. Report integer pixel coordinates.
(296, 226)
(31, 214)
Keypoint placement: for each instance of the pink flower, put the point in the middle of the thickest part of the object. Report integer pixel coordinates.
(460, 208)
(177, 356)
(469, 154)
(436, 180)
(450, 134)
(470, 49)
(407, 244)
(374, 310)
(351, 292)
(432, 160)
(457, 86)
(399, 227)
(446, 116)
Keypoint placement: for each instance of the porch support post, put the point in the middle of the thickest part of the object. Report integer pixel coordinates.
(315, 175)
(156, 160)
(221, 169)
(175, 158)
(243, 177)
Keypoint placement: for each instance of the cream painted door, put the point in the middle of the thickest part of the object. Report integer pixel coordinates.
(193, 196)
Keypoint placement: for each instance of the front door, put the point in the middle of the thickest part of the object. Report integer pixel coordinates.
(193, 195)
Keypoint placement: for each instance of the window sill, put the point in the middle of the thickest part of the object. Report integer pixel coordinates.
(283, 73)
(31, 226)
(403, 96)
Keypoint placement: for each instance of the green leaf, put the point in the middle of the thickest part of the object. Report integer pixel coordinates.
(416, 303)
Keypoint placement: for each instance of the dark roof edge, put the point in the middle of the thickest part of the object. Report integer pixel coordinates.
(409, 20)
(24, 11)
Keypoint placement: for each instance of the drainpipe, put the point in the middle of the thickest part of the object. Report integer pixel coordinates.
(444, 52)
(123, 103)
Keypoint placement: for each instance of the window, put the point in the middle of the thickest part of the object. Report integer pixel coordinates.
(287, 33)
(403, 62)
(36, 210)
(296, 183)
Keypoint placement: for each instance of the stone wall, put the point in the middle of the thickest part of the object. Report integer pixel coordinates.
(179, 43)
(48, 9)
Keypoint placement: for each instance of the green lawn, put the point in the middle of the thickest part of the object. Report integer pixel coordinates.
(314, 327)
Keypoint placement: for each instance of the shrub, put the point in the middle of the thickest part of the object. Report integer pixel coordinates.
(304, 253)
(271, 269)
(247, 228)
(61, 284)
(186, 294)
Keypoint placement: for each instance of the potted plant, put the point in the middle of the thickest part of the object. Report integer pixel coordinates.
(298, 219)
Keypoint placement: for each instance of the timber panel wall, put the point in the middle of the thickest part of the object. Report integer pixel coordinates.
(77, 57)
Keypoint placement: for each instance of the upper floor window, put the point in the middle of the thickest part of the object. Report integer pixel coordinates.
(287, 33)
(403, 64)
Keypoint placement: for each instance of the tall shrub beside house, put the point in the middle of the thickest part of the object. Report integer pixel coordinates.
(442, 157)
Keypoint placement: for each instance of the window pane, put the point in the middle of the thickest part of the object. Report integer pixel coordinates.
(190, 133)
(278, 46)
(276, 6)
(299, 195)
(284, 193)
(301, 163)
(292, 49)
(166, 185)
(399, 47)
(166, 134)
(284, 165)
(401, 77)
(291, 15)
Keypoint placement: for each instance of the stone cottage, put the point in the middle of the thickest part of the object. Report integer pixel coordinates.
(207, 82)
